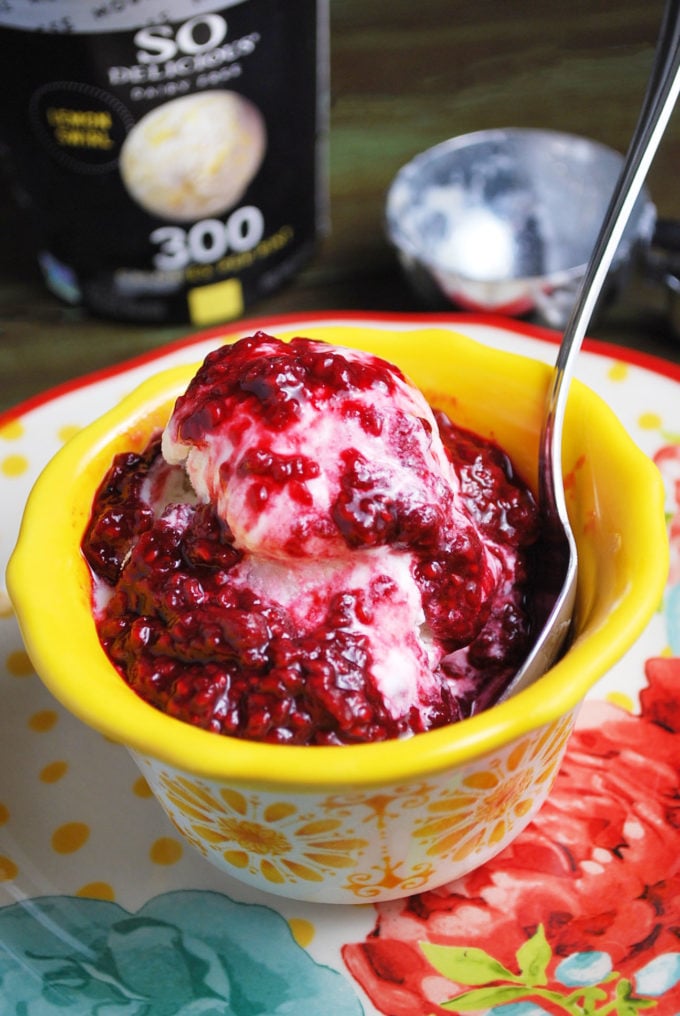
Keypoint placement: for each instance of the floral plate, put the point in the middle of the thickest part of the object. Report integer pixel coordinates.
(104, 911)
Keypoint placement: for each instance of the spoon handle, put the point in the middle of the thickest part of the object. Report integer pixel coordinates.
(559, 559)
(662, 92)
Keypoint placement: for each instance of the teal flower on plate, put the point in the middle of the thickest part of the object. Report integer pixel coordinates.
(185, 953)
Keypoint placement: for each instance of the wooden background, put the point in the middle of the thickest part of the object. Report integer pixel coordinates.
(404, 75)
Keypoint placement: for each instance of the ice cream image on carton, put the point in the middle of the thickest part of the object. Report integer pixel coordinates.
(194, 156)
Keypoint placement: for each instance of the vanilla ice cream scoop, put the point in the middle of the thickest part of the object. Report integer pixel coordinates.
(305, 450)
(194, 156)
(328, 469)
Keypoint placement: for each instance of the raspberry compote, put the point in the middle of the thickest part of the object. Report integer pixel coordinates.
(310, 555)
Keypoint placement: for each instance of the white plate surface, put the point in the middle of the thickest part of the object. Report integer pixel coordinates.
(104, 910)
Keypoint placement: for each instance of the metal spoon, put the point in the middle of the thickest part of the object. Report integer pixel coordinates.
(560, 560)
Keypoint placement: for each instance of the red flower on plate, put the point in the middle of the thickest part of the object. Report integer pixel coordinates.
(593, 884)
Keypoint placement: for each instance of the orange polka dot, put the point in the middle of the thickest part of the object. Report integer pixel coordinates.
(618, 371)
(54, 771)
(19, 664)
(165, 851)
(12, 430)
(68, 431)
(70, 837)
(141, 788)
(303, 931)
(8, 869)
(43, 720)
(97, 891)
(14, 465)
(621, 699)
(4, 813)
(650, 421)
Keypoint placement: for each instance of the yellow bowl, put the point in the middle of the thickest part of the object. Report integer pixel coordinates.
(376, 821)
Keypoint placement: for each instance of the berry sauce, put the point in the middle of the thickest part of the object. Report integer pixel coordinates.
(181, 617)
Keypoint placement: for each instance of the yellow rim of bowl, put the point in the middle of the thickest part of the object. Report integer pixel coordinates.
(81, 677)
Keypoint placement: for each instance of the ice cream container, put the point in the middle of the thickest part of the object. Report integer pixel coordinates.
(170, 154)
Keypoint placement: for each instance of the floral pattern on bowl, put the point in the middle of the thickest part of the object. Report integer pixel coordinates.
(314, 838)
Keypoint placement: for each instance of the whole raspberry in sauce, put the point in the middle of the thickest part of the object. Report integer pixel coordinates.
(344, 565)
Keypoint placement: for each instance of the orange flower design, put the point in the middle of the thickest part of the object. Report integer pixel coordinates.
(273, 839)
(485, 806)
